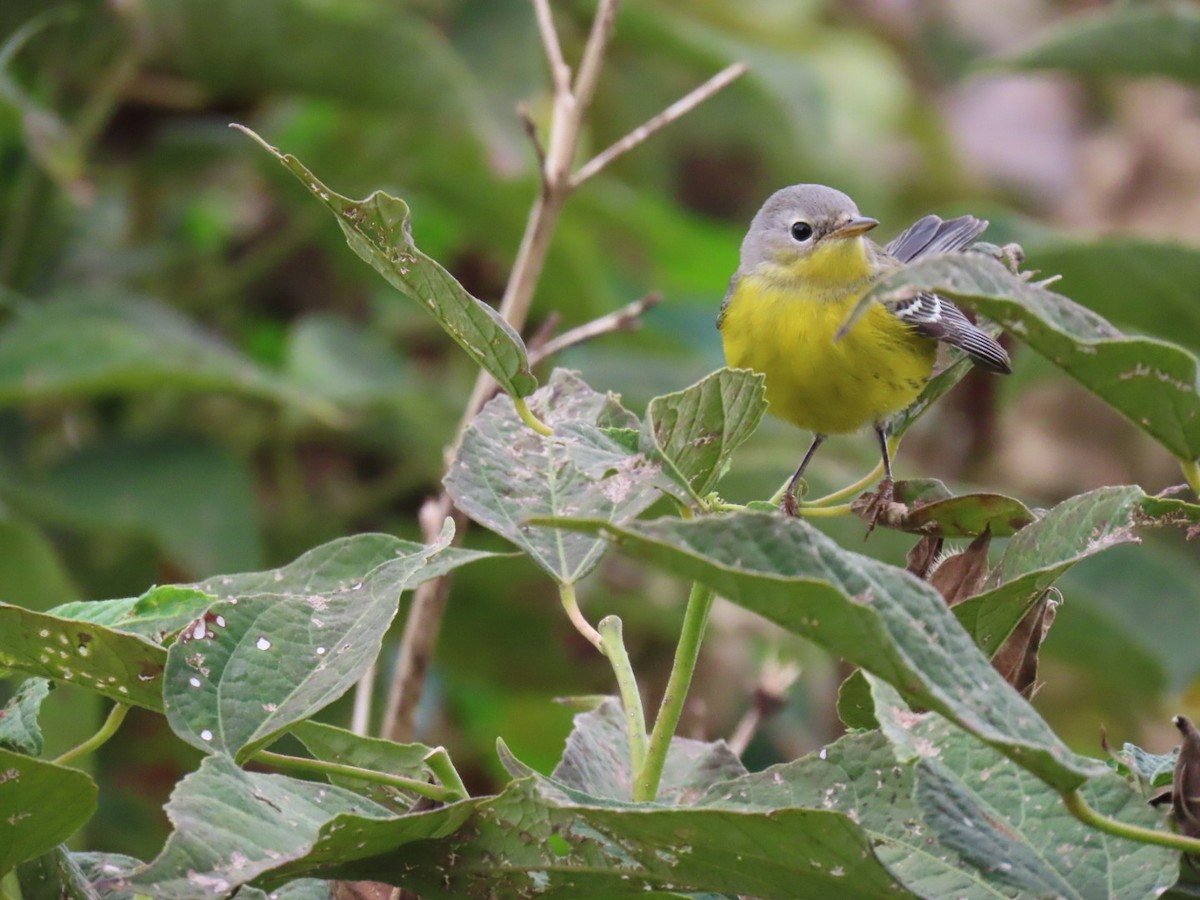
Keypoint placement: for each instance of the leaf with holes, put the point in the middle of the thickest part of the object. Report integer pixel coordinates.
(505, 474)
(123, 666)
(379, 230)
(287, 643)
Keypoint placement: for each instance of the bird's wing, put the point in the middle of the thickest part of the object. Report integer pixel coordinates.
(733, 283)
(933, 235)
(938, 318)
(935, 316)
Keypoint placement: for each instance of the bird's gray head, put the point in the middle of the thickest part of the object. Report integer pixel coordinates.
(796, 220)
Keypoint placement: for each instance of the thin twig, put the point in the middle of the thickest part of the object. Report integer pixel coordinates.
(531, 132)
(560, 73)
(627, 318)
(593, 52)
(639, 135)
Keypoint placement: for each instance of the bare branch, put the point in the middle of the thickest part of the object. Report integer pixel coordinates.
(421, 629)
(627, 318)
(593, 53)
(560, 74)
(425, 613)
(679, 108)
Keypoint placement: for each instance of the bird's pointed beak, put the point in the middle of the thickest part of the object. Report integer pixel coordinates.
(854, 226)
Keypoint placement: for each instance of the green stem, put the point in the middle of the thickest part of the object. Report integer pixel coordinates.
(1079, 808)
(1191, 471)
(566, 593)
(645, 785)
(440, 764)
(613, 645)
(115, 717)
(804, 511)
(530, 419)
(321, 767)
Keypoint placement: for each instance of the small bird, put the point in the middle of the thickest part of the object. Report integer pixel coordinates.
(805, 264)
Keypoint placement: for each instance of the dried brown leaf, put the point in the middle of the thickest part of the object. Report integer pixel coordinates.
(1185, 791)
(962, 575)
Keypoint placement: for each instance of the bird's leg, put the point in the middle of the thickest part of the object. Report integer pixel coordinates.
(788, 503)
(883, 496)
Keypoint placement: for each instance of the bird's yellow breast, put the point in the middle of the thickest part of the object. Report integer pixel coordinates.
(878, 368)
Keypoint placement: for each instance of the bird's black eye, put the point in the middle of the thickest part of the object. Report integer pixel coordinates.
(801, 231)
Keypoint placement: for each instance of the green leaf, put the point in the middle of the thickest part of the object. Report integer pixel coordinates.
(932, 509)
(195, 501)
(332, 744)
(232, 826)
(43, 805)
(596, 761)
(1151, 382)
(88, 345)
(506, 474)
(1015, 829)
(282, 645)
(874, 615)
(695, 431)
(532, 840)
(1142, 39)
(157, 614)
(1072, 531)
(379, 230)
(19, 729)
(123, 666)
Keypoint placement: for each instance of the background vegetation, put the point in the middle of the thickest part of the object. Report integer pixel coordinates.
(197, 376)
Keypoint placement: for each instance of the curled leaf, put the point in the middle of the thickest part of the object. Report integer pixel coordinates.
(963, 574)
(1017, 658)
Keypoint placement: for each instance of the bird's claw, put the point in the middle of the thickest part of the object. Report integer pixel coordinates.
(877, 507)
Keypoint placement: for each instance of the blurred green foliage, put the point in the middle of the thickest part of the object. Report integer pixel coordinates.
(178, 316)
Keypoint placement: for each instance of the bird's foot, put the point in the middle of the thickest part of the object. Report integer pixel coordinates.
(878, 505)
